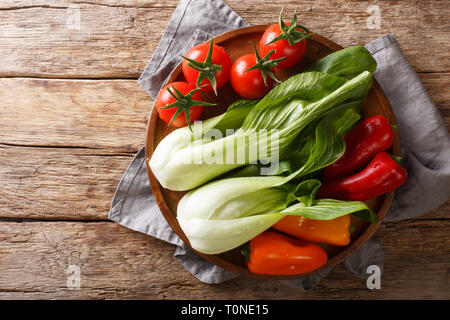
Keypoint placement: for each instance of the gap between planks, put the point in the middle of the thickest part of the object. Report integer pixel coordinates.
(87, 78)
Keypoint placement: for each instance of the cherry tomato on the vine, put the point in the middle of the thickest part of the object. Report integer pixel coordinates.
(183, 100)
(249, 84)
(252, 76)
(287, 39)
(207, 64)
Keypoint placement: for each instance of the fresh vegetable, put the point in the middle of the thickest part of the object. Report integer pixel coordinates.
(179, 103)
(167, 163)
(207, 65)
(249, 74)
(383, 174)
(335, 231)
(327, 209)
(363, 142)
(273, 253)
(346, 63)
(226, 213)
(316, 145)
(278, 147)
(288, 40)
(183, 163)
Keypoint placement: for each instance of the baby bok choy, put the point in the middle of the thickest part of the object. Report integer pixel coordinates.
(187, 159)
(226, 213)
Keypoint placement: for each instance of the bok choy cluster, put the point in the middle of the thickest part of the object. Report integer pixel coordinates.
(226, 213)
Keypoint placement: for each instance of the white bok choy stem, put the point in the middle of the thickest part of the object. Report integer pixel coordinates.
(218, 236)
(182, 164)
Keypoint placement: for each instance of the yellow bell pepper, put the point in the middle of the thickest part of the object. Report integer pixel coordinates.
(335, 231)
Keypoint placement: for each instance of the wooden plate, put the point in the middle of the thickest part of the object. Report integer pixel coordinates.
(237, 43)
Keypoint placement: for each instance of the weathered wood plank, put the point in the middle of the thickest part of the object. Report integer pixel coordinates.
(84, 40)
(70, 183)
(21, 4)
(43, 39)
(108, 114)
(118, 263)
(73, 184)
(104, 114)
(90, 129)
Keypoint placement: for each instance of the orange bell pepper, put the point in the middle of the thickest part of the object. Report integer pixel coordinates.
(277, 254)
(335, 231)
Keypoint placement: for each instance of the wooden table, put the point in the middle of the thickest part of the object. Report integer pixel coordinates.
(72, 116)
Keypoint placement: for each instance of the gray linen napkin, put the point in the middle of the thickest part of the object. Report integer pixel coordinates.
(424, 138)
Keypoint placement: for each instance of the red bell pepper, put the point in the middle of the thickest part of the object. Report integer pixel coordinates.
(383, 174)
(363, 142)
(277, 254)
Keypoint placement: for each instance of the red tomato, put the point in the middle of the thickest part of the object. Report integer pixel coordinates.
(219, 57)
(282, 48)
(164, 99)
(249, 84)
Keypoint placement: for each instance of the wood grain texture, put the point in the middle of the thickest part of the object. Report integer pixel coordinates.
(44, 38)
(37, 39)
(168, 200)
(104, 114)
(64, 144)
(118, 263)
(107, 114)
(70, 183)
(58, 184)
